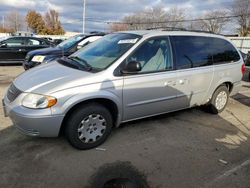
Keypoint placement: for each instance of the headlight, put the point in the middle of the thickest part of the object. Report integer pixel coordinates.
(38, 58)
(37, 101)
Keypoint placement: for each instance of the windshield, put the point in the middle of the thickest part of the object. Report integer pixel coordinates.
(70, 42)
(103, 52)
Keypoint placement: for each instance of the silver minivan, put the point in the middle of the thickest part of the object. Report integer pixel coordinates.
(123, 77)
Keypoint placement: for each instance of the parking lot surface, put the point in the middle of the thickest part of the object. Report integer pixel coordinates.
(189, 148)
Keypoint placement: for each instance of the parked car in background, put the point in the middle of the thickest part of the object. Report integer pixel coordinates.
(246, 58)
(48, 39)
(14, 49)
(122, 77)
(57, 41)
(65, 48)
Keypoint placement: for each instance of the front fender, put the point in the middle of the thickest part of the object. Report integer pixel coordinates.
(82, 97)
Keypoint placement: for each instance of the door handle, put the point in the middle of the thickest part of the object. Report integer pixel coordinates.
(168, 83)
(21, 50)
(182, 82)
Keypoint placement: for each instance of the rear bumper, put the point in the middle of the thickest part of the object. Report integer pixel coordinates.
(246, 76)
(236, 88)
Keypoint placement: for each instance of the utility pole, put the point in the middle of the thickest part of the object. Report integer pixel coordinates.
(3, 22)
(83, 16)
(16, 27)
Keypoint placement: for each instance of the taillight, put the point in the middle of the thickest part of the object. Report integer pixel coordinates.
(243, 68)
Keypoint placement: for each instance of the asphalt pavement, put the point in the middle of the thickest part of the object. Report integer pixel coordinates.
(184, 149)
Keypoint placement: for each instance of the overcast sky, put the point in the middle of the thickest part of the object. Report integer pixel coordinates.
(106, 10)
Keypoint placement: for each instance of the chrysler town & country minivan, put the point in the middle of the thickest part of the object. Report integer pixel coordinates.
(122, 77)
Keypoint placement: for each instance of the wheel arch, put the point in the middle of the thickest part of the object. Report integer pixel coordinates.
(113, 107)
(227, 83)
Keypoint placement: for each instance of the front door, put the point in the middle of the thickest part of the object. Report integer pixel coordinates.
(152, 90)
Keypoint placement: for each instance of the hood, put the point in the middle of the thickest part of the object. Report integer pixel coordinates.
(52, 77)
(46, 51)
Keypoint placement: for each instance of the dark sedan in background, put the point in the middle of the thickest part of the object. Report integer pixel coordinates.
(14, 49)
(65, 48)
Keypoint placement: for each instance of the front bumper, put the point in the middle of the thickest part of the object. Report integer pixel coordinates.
(34, 122)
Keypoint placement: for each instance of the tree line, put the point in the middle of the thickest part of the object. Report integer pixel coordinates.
(213, 21)
(48, 24)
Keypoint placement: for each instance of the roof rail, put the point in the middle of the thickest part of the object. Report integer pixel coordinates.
(167, 28)
(200, 31)
(179, 29)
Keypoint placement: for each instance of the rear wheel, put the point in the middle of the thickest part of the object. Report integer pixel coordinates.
(88, 126)
(219, 100)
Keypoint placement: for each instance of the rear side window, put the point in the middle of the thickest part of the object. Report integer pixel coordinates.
(223, 51)
(33, 42)
(195, 51)
(192, 51)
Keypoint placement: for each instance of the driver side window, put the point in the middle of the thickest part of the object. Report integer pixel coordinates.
(153, 55)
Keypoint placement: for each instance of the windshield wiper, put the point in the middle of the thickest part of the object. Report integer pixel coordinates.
(79, 60)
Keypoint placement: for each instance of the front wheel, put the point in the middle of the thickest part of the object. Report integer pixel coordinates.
(219, 100)
(88, 126)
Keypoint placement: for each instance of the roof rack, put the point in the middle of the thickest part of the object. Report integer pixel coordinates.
(178, 29)
(167, 28)
(200, 31)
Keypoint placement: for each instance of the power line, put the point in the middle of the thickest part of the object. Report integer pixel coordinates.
(167, 21)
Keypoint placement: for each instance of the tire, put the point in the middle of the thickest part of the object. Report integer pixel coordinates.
(88, 126)
(219, 100)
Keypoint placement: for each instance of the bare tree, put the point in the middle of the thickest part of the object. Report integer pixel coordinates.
(214, 21)
(53, 23)
(155, 17)
(174, 17)
(15, 21)
(118, 27)
(241, 8)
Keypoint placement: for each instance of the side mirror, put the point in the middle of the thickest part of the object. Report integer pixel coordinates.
(132, 67)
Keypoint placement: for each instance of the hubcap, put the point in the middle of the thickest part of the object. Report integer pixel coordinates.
(221, 100)
(91, 128)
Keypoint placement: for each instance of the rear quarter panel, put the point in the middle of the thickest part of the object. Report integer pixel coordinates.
(229, 72)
